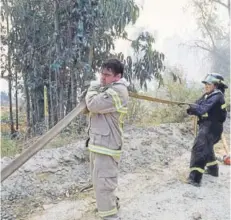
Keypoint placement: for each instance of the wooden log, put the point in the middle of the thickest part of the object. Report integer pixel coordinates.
(41, 142)
(152, 99)
(47, 137)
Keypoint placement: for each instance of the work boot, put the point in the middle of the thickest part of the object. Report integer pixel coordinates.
(117, 204)
(192, 182)
(213, 171)
(112, 217)
(195, 178)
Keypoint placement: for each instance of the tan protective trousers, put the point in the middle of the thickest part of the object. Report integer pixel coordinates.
(104, 173)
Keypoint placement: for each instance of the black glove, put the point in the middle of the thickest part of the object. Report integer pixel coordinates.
(189, 111)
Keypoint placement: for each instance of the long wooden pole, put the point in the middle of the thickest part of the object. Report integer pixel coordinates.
(152, 99)
(47, 137)
(41, 142)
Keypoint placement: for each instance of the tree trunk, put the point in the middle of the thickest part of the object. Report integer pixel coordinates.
(58, 52)
(61, 95)
(28, 108)
(57, 96)
(45, 98)
(33, 111)
(40, 109)
(16, 98)
(50, 102)
(12, 130)
(72, 89)
(69, 103)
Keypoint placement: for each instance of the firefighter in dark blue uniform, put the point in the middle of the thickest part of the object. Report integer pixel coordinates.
(211, 112)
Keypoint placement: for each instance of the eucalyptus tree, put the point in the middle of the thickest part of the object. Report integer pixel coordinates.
(5, 25)
(59, 44)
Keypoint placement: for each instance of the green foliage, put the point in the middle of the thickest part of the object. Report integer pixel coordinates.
(8, 147)
(61, 44)
(148, 63)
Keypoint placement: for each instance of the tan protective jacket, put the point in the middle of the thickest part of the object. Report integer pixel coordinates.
(107, 107)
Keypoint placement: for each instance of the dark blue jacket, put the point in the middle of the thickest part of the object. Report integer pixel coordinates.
(210, 107)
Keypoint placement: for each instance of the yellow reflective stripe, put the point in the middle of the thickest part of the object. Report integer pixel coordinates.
(104, 150)
(90, 93)
(218, 80)
(212, 163)
(45, 102)
(121, 123)
(107, 213)
(223, 106)
(115, 98)
(124, 111)
(121, 120)
(197, 169)
(205, 115)
(117, 101)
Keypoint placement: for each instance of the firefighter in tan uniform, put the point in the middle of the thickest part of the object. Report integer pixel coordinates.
(107, 105)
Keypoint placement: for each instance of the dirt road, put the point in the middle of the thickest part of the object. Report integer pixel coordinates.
(157, 194)
(153, 168)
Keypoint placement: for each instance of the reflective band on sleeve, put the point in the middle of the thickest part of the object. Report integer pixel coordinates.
(108, 213)
(117, 101)
(90, 93)
(104, 150)
(121, 121)
(121, 125)
(122, 110)
(212, 163)
(223, 106)
(205, 115)
(197, 169)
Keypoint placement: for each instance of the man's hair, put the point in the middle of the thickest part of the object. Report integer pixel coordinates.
(115, 66)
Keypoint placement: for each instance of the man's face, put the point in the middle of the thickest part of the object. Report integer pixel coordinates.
(108, 77)
(209, 88)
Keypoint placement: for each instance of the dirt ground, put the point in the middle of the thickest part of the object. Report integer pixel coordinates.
(152, 185)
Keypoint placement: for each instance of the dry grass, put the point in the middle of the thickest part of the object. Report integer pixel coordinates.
(219, 147)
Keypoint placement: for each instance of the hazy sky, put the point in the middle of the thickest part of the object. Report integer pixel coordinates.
(3, 85)
(167, 18)
(173, 26)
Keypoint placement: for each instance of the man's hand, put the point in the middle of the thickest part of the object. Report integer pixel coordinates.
(82, 95)
(94, 85)
(191, 109)
(189, 112)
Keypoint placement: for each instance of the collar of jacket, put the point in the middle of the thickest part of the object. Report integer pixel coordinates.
(122, 81)
(216, 91)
